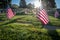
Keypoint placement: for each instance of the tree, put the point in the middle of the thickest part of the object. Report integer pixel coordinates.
(48, 4)
(30, 6)
(4, 3)
(22, 4)
(52, 3)
(14, 6)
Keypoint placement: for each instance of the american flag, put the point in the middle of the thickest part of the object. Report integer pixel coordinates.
(56, 14)
(43, 16)
(10, 13)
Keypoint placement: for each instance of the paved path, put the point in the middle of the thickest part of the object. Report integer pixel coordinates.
(51, 27)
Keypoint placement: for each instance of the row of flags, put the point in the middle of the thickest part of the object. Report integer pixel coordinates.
(41, 15)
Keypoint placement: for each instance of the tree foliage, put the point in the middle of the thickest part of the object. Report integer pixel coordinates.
(22, 4)
(30, 6)
(52, 3)
(4, 3)
(48, 4)
(14, 6)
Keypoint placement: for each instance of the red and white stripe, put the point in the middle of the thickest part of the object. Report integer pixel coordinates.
(43, 16)
(10, 13)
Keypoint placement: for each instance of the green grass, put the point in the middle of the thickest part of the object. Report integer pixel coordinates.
(54, 21)
(27, 27)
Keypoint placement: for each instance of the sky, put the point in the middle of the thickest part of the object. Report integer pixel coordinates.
(57, 3)
(35, 2)
(17, 1)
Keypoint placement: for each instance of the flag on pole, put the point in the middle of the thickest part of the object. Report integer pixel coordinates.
(56, 14)
(43, 16)
(10, 13)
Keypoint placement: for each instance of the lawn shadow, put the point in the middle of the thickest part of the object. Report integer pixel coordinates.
(22, 13)
(49, 26)
(2, 18)
(53, 34)
(11, 21)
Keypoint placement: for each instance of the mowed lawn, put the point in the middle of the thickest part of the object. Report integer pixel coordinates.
(27, 27)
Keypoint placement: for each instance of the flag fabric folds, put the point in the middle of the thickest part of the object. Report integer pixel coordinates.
(43, 16)
(10, 13)
(56, 14)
